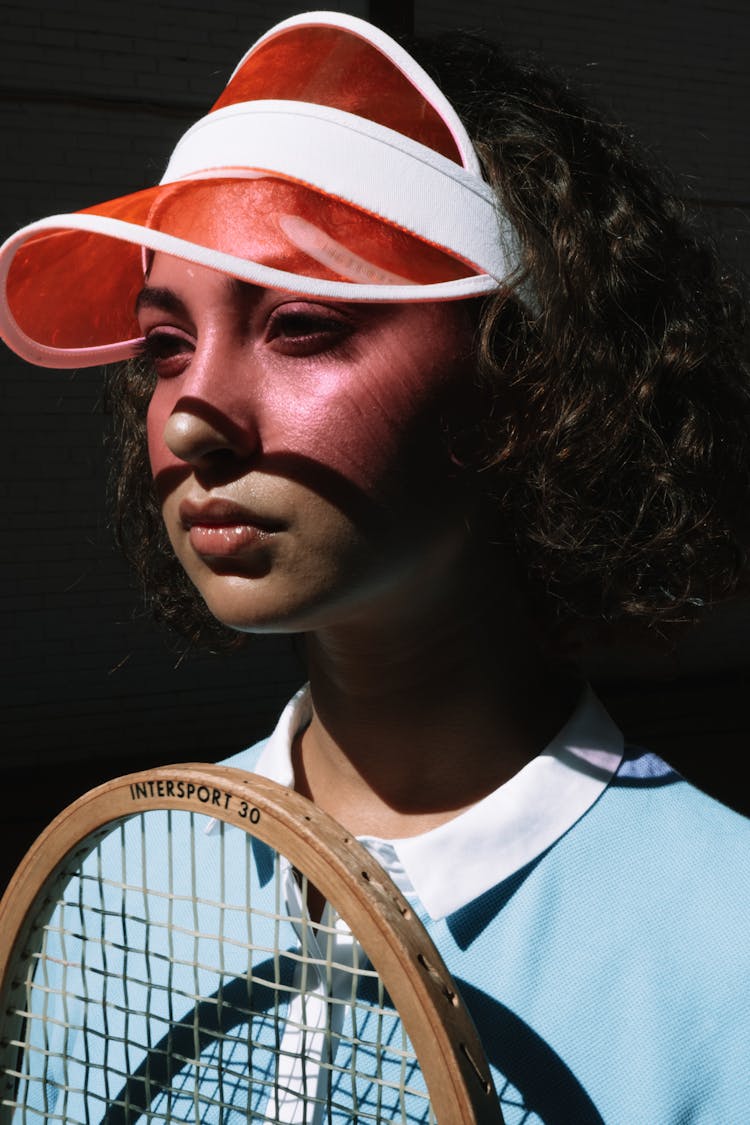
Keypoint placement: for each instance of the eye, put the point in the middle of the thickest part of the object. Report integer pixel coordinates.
(303, 329)
(167, 350)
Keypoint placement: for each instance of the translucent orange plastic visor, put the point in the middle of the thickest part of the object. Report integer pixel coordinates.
(91, 280)
(331, 165)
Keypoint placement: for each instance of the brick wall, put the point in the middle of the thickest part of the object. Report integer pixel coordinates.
(676, 72)
(92, 98)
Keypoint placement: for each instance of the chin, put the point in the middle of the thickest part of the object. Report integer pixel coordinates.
(260, 618)
(255, 606)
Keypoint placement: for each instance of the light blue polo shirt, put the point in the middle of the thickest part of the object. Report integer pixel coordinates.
(595, 912)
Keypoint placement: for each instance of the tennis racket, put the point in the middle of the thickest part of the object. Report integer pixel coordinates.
(158, 963)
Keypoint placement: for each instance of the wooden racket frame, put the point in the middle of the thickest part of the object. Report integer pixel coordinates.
(437, 1022)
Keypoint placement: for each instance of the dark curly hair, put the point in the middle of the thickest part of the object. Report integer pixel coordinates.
(612, 449)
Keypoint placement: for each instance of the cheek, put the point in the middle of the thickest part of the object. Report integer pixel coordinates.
(345, 433)
(361, 425)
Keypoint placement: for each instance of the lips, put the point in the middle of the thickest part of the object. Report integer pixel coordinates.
(221, 529)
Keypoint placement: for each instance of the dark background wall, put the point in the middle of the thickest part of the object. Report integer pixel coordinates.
(92, 98)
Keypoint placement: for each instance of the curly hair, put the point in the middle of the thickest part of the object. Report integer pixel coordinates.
(612, 450)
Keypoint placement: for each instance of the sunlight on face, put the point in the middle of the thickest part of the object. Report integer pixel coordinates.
(292, 436)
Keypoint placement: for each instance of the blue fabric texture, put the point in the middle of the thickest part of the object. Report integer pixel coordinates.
(608, 978)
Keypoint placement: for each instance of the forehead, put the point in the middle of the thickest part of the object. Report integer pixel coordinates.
(180, 288)
(171, 282)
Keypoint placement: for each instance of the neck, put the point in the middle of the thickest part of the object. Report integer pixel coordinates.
(416, 720)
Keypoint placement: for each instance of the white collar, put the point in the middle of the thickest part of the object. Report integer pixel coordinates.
(453, 864)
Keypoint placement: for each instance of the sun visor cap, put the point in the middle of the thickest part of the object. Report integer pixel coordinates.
(330, 166)
(72, 292)
(331, 66)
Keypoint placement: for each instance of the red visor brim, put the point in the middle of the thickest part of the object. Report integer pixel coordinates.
(278, 224)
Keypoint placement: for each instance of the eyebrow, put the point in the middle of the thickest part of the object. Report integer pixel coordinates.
(160, 297)
(155, 297)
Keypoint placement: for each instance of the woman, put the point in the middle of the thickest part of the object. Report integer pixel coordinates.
(439, 390)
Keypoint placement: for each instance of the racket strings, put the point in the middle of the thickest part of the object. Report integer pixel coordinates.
(169, 988)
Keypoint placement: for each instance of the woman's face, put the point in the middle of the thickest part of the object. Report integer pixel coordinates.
(297, 445)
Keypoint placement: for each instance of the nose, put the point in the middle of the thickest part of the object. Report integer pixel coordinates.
(209, 413)
(201, 434)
